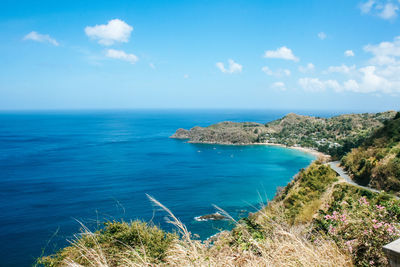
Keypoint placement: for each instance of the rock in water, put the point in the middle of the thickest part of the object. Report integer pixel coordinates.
(211, 217)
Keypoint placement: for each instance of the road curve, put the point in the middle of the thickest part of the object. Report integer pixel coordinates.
(342, 173)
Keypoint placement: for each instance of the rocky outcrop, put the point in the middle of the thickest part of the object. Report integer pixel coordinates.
(211, 217)
(181, 134)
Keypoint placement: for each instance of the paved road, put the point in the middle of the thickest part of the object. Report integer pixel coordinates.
(342, 173)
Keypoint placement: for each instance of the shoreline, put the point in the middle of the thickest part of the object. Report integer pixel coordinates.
(308, 150)
(311, 151)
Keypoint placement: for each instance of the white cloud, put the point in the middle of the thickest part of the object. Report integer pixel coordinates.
(389, 11)
(233, 67)
(333, 84)
(322, 35)
(107, 34)
(43, 38)
(371, 82)
(151, 65)
(121, 55)
(279, 85)
(311, 84)
(351, 85)
(282, 53)
(341, 69)
(308, 68)
(316, 85)
(380, 75)
(385, 52)
(385, 9)
(367, 6)
(267, 71)
(368, 82)
(278, 73)
(383, 72)
(286, 72)
(349, 53)
(186, 76)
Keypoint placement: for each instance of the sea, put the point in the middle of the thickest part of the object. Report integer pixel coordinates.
(60, 170)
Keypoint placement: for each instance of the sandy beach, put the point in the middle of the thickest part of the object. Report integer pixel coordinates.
(304, 149)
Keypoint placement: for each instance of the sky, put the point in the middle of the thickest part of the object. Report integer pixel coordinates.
(293, 54)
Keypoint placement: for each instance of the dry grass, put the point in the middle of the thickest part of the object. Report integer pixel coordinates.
(274, 244)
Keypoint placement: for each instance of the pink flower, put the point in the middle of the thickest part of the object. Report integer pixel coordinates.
(363, 201)
(331, 229)
(349, 245)
(379, 207)
(334, 217)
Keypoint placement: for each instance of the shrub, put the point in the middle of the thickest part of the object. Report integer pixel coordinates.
(116, 243)
(361, 223)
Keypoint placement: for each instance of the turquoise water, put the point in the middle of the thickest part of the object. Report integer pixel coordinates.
(56, 168)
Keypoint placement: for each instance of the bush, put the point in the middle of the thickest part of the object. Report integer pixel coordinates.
(361, 223)
(302, 200)
(116, 243)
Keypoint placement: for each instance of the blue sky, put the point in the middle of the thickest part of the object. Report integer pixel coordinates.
(331, 54)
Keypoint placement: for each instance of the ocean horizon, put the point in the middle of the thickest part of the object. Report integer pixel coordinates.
(60, 169)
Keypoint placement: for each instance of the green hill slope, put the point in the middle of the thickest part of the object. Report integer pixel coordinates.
(377, 161)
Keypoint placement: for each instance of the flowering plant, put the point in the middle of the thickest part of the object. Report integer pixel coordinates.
(361, 224)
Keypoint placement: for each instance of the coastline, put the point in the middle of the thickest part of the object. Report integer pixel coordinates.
(312, 151)
(317, 154)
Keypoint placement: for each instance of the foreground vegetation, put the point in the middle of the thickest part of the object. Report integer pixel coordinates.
(335, 136)
(316, 220)
(377, 161)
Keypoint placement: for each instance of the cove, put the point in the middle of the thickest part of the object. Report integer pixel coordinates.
(60, 168)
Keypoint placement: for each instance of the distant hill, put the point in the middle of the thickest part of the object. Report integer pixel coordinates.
(377, 161)
(335, 135)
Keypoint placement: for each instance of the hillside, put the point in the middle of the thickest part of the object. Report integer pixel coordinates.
(316, 220)
(377, 161)
(335, 135)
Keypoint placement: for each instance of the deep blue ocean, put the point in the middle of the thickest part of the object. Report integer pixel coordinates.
(58, 168)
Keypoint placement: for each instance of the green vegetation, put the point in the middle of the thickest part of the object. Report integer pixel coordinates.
(377, 161)
(360, 222)
(118, 243)
(335, 136)
(303, 197)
